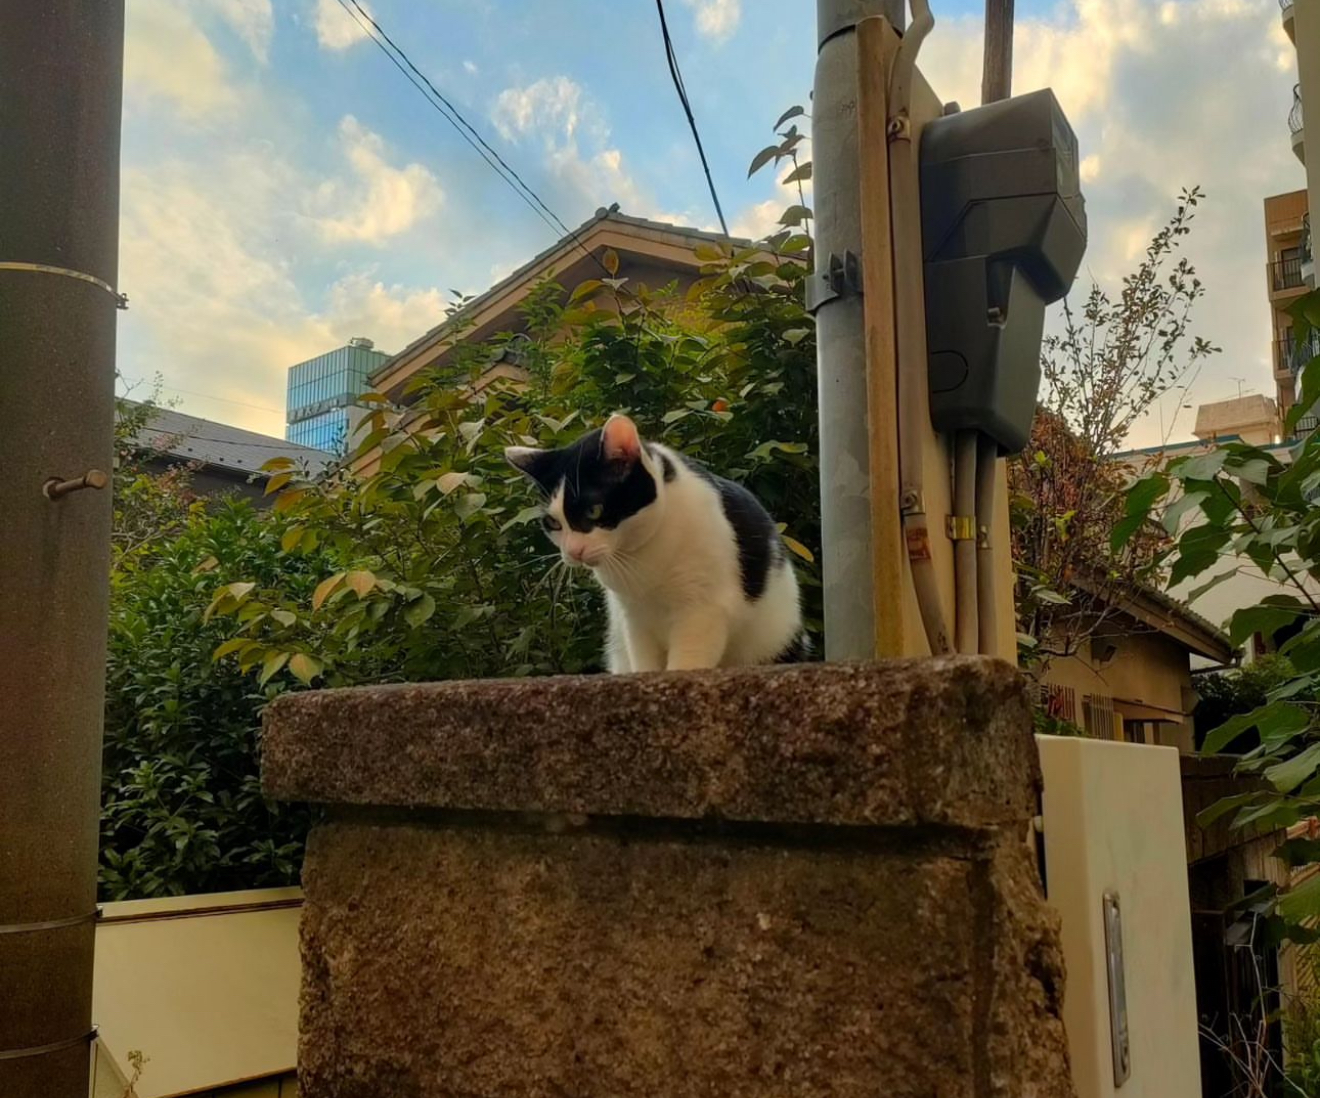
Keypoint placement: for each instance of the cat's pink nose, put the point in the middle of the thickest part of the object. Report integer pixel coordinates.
(578, 552)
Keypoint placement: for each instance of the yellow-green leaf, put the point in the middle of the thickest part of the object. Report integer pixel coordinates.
(271, 666)
(278, 481)
(284, 617)
(417, 612)
(801, 550)
(289, 499)
(305, 667)
(610, 261)
(360, 581)
(293, 535)
(325, 589)
(586, 289)
(451, 481)
(230, 646)
(276, 464)
(208, 565)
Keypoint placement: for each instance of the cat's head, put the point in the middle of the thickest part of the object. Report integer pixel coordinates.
(602, 494)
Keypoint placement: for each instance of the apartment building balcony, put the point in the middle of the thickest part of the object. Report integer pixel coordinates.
(1308, 259)
(1290, 359)
(1295, 124)
(1285, 277)
(1286, 10)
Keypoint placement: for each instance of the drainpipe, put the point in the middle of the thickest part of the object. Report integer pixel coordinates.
(834, 296)
(60, 80)
(910, 310)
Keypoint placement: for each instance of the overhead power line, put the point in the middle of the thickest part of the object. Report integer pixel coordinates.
(677, 77)
(451, 114)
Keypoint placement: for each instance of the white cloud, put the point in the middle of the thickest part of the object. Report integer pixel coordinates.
(383, 202)
(716, 19)
(167, 57)
(336, 29)
(470, 68)
(760, 219)
(393, 315)
(586, 167)
(217, 305)
(252, 20)
(551, 107)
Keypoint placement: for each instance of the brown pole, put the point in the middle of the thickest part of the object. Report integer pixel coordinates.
(997, 71)
(61, 67)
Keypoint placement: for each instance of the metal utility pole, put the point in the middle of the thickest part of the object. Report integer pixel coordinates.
(845, 443)
(997, 71)
(61, 67)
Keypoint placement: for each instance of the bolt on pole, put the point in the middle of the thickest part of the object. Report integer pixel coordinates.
(61, 67)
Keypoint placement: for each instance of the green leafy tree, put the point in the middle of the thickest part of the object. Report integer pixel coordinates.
(1113, 360)
(421, 559)
(1244, 502)
(182, 810)
(440, 570)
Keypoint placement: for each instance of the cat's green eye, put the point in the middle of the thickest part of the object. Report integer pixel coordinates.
(594, 512)
(550, 523)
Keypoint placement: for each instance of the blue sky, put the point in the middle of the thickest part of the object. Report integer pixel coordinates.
(285, 188)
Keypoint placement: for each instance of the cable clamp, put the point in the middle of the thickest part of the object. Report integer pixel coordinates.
(121, 300)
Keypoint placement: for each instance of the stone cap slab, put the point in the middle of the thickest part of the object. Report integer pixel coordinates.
(898, 743)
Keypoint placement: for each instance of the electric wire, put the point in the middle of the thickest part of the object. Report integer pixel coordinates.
(677, 76)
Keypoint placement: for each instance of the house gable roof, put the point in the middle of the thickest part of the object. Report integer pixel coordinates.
(572, 258)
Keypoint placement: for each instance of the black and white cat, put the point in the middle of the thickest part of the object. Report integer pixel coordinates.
(694, 571)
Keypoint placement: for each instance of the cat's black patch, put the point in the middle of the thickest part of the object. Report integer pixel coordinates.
(618, 488)
(759, 546)
(799, 650)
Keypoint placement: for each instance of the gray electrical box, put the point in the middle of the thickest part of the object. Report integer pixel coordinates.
(1003, 228)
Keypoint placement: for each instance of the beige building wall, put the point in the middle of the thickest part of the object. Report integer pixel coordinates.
(206, 988)
(1284, 224)
(1306, 36)
(1145, 679)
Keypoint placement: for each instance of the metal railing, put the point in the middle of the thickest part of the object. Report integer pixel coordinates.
(1305, 426)
(1295, 115)
(1295, 357)
(1286, 274)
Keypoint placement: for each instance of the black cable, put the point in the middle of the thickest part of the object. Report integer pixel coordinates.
(677, 77)
(454, 117)
(412, 80)
(459, 116)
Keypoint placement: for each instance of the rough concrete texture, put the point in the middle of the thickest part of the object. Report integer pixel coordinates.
(776, 883)
(945, 741)
(467, 962)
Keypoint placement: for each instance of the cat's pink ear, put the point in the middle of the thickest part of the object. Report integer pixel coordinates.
(619, 440)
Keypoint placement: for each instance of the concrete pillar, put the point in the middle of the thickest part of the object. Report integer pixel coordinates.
(763, 882)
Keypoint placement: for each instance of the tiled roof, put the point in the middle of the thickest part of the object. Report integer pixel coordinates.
(219, 445)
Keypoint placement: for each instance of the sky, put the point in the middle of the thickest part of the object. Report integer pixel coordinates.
(284, 188)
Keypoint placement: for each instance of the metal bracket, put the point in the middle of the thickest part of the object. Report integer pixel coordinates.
(960, 527)
(840, 276)
(121, 300)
